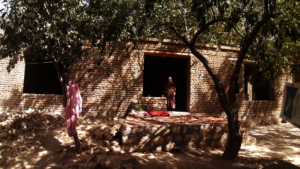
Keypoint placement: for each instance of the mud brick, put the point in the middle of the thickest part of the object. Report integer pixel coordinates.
(108, 97)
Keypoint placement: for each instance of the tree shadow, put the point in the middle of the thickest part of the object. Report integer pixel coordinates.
(39, 150)
(44, 156)
(108, 90)
(108, 95)
(251, 112)
(48, 141)
(211, 160)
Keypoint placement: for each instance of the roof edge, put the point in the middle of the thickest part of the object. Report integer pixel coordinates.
(196, 44)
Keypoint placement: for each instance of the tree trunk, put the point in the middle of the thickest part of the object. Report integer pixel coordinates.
(229, 105)
(230, 108)
(63, 78)
(235, 138)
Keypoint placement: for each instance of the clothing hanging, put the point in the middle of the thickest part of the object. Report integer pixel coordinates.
(73, 108)
(64, 100)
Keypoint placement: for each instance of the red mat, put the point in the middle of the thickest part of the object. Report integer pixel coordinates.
(158, 113)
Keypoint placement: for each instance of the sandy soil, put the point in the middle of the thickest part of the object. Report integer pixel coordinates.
(49, 148)
(279, 141)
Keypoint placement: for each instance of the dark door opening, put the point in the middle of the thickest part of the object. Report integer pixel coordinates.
(260, 86)
(157, 69)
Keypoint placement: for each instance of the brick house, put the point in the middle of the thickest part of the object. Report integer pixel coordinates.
(140, 78)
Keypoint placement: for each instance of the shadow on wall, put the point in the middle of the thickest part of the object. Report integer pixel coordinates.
(109, 95)
(103, 94)
(261, 112)
(108, 90)
(18, 100)
(205, 99)
(203, 92)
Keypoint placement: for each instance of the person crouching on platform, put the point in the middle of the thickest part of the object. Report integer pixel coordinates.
(169, 92)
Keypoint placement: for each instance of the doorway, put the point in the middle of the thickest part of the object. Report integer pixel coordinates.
(157, 69)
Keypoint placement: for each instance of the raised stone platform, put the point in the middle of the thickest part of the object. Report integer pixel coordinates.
(196, 130)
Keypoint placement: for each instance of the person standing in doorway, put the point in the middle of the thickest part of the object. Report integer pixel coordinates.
(169, 92)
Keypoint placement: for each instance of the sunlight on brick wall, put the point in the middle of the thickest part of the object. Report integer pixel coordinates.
(106, 94)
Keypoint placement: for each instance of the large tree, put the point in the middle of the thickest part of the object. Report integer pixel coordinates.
(266, 29)
(62, 31)
(43, 30)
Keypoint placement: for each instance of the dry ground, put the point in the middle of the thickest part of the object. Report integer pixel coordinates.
(49, 148)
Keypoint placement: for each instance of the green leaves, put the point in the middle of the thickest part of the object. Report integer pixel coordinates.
(58, 29)
(3, 14)
(276, 34)
(40, 30)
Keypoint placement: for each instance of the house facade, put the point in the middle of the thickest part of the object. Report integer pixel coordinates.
(108, 90)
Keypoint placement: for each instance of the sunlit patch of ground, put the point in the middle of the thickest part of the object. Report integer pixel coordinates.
(279, 141)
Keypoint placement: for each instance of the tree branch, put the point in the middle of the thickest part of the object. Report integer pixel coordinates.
(218, 85)
(77, 81)
(61, 80)
(238, 32)
(266, 8)
(248, 40)
(177, 34)
(47, 10)
(212, 10)
(205, 27)
(271, 7)
(92, 60)
(69, 69)
(184, 20)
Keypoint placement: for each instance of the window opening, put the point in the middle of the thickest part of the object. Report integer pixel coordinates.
(260, 87)
(41, 78)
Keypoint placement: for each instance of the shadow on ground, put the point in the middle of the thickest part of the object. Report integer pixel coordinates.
(49, 148)
(183, 159)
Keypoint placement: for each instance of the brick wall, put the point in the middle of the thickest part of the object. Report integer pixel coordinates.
(108, 96)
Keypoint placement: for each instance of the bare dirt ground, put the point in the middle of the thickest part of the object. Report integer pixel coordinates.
(279, 141)
(277, 147)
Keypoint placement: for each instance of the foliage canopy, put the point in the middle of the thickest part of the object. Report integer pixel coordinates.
(266, 31)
